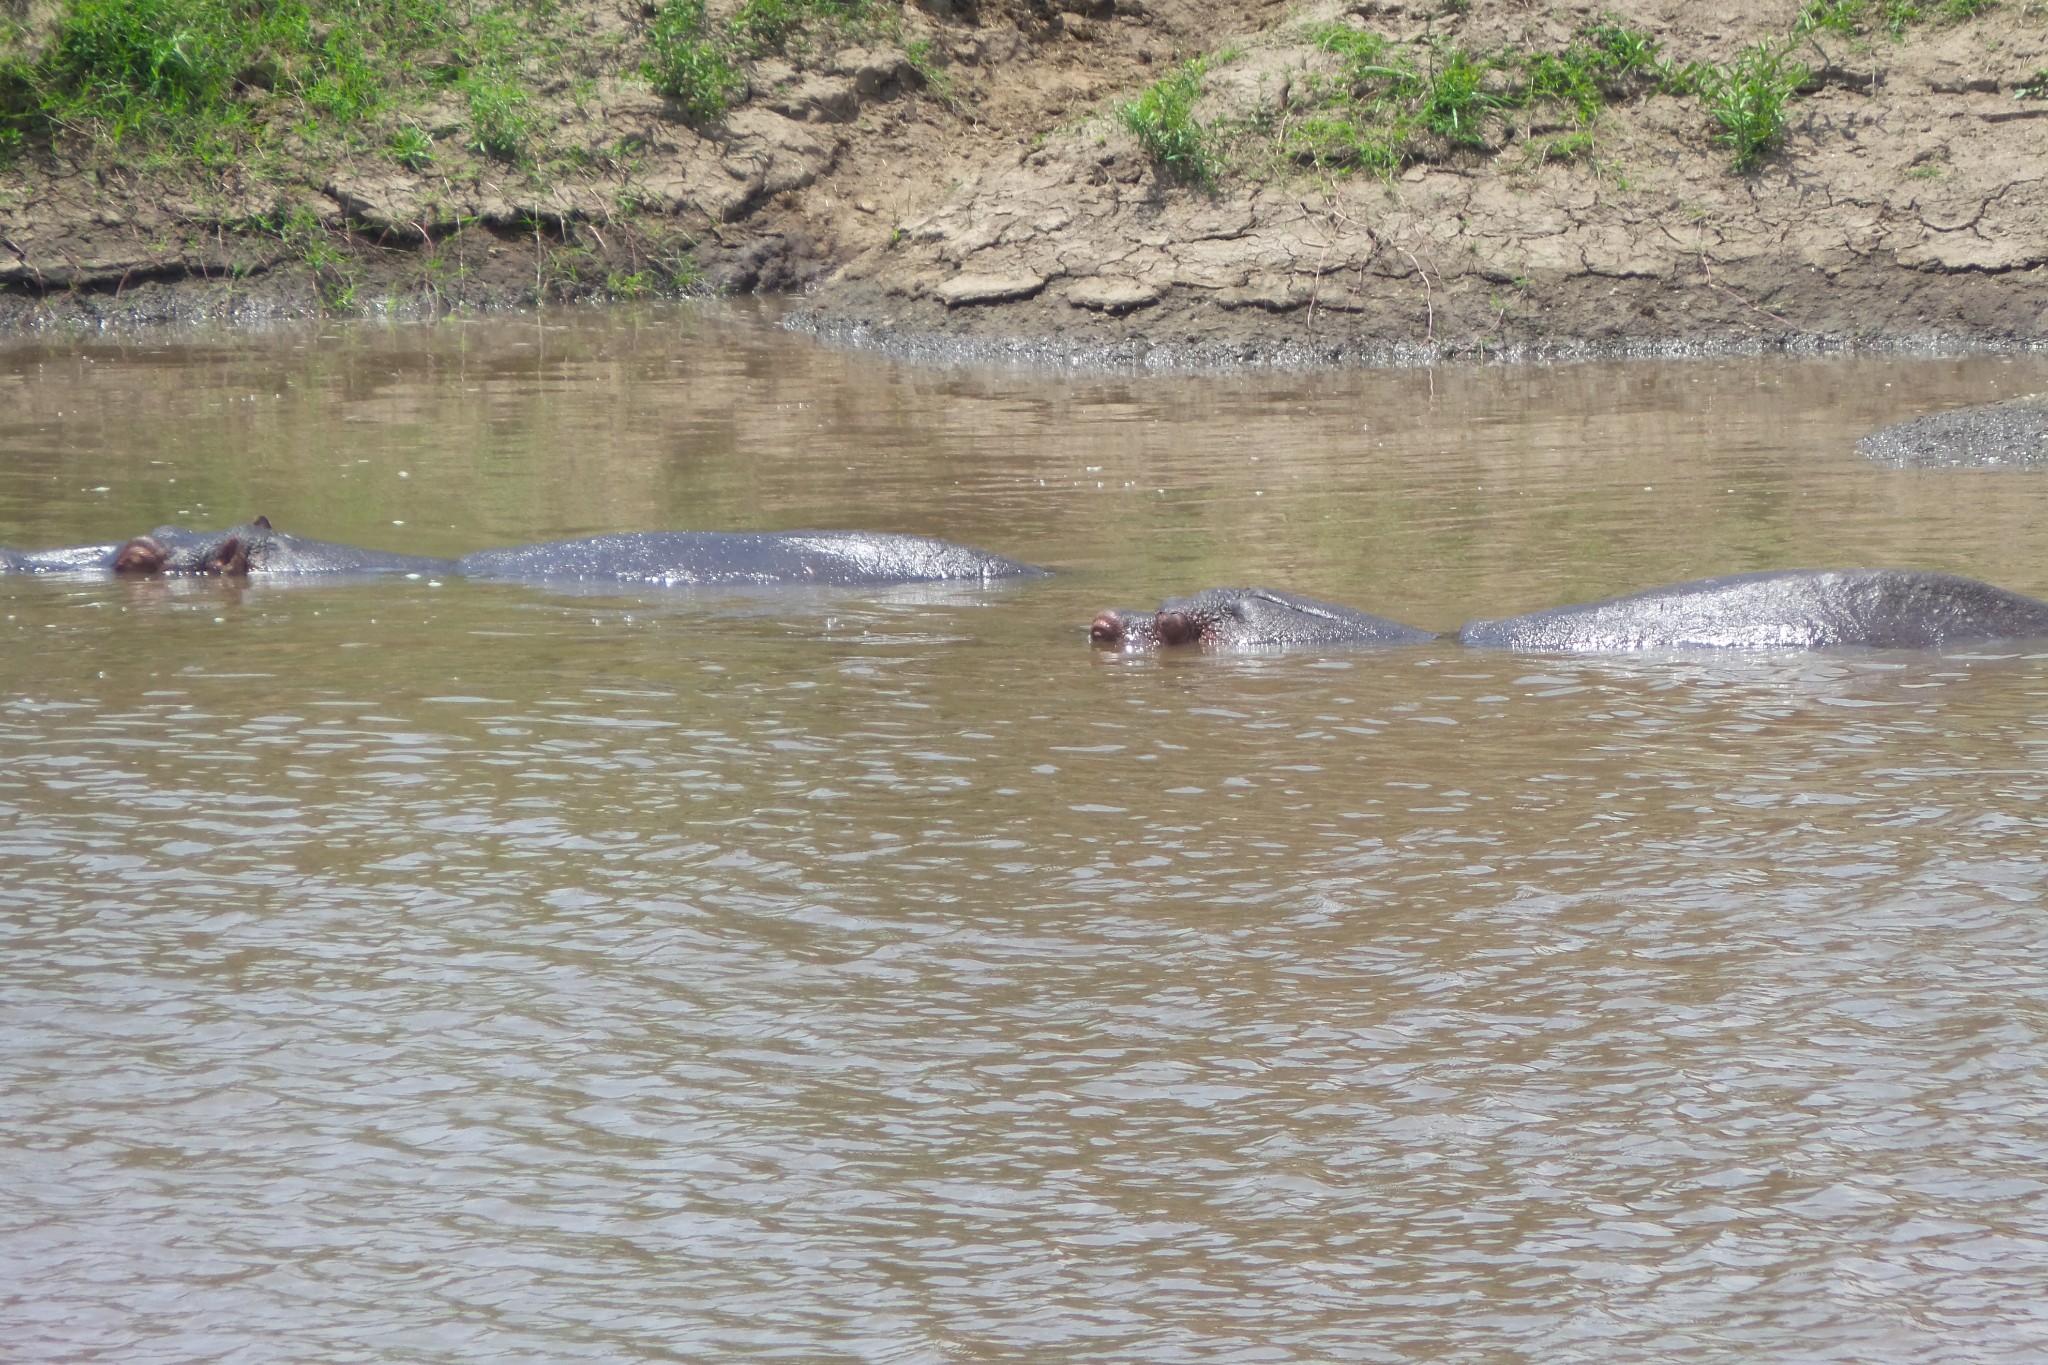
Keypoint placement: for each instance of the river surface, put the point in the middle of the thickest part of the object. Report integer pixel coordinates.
(444, 972)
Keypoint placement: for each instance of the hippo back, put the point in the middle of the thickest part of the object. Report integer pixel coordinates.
(748, 559)
(2013, 433)
(67, 559)
(278, 553)
(1256, 618)
(1784, 609)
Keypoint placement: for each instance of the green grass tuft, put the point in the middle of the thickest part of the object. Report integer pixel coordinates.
(1456, 103)
(1854, 17)
(689, 64)
(411, 147)
(1163, 121)
(219, 82)
(1396, 103)
(924, 60)
(499, 124)
(1748, 101)
(697, 63)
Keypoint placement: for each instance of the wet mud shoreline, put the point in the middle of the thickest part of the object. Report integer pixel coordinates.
(1875, 310)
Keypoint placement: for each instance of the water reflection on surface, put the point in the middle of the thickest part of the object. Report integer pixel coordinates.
(450, 971)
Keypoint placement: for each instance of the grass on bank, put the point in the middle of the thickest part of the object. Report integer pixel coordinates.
(245, 94)
(700, 64)
(1391, 104)
(1855, 18)
(224, 82)
(1748, 99)
(1162, 118)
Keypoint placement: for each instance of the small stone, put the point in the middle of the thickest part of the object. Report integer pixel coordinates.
(962, 290)
(1112, 296)
(864, 205)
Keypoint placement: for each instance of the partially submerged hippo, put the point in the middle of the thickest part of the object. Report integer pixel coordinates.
(836, 559)
(1248, 618)
(1785, 609)
(257, 548)
(663, 558)
(2012, 434)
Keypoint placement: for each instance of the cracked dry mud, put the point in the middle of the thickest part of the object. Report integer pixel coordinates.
(1909, 205)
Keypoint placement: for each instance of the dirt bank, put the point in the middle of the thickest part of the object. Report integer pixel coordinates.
(955, 176)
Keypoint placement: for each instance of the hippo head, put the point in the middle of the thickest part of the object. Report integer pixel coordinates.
(1181, 621)
(170, 551)
(1264, 618)
(1129, 631)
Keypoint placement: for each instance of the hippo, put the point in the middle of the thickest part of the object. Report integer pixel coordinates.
(1248, 618)
(834, 559)
(256, 548)
(1782, 609)
(659, 558)
(2012, 434)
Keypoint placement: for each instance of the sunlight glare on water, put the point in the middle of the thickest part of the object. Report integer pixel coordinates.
(436, 971)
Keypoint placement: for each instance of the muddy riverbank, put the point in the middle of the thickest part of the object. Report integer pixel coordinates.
(956, 179)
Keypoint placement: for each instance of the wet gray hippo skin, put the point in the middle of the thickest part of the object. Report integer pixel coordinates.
(256, 548)
(1249, 618)
(69, 559)
(2012, 434)
(662, 558)
(1787, 609)
(838, 559)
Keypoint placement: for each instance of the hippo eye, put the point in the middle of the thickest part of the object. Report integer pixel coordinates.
(140, 556)
(1177, 628)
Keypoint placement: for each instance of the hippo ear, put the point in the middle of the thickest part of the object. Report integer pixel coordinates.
(262, 521)
(231, 556)
(140, 556)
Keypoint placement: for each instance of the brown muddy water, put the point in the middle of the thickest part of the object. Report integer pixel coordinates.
(433, 971)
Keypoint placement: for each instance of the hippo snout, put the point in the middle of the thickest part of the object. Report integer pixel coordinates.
(1129, 631)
